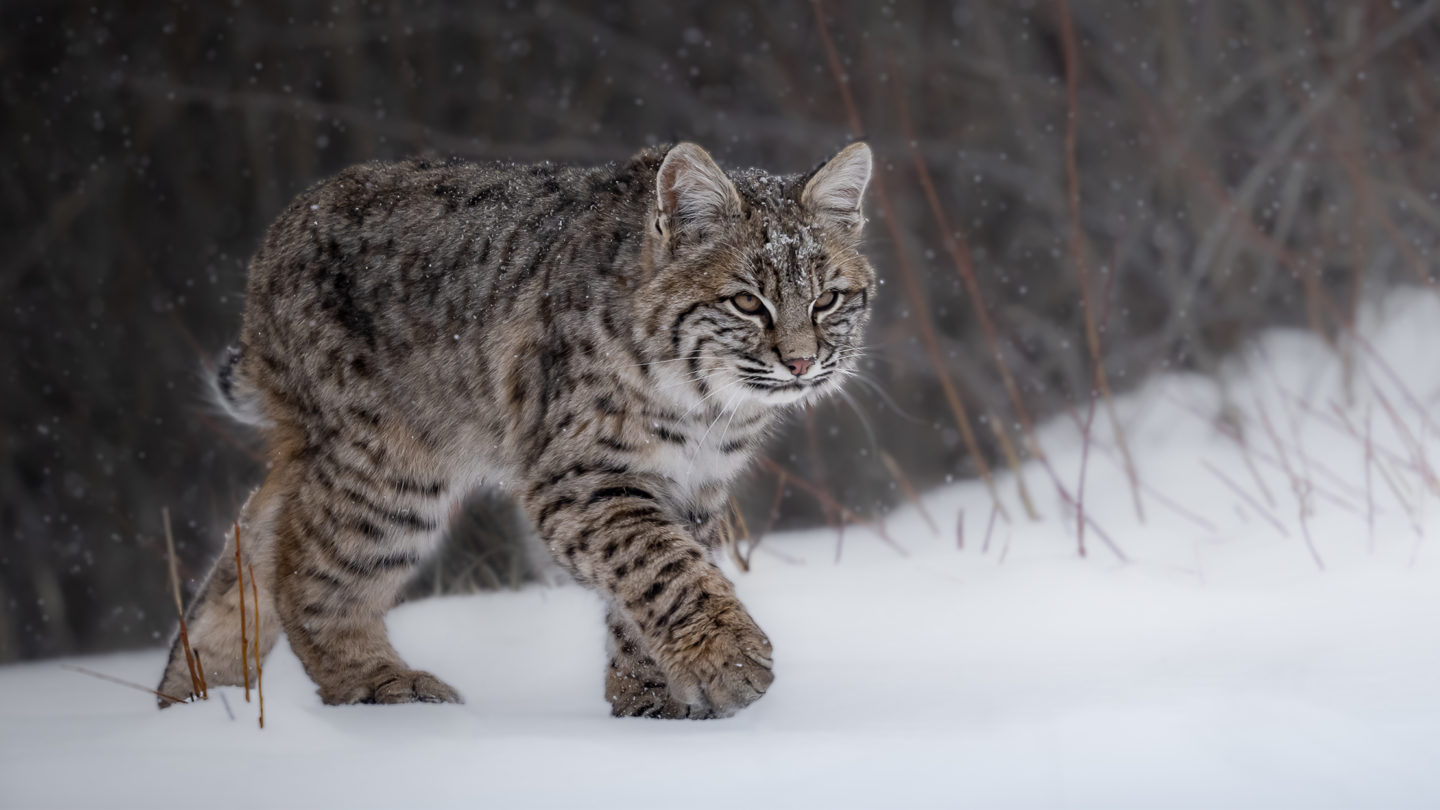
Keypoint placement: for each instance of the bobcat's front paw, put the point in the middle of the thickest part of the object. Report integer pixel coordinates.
(718, 663)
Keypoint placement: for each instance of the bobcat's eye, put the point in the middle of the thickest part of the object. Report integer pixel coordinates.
(748, 304)
(825, 301)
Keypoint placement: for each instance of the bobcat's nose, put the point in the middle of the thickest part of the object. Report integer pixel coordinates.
(799, 365)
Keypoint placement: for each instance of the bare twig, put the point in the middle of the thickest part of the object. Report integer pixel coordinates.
(112, 679)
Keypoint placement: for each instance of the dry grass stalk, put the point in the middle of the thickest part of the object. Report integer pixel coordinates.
(102, 676)
(196, 686)
(259, 672)
(200, 668)
(240, 586)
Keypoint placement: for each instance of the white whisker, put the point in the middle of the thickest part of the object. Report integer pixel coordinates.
(692, 408)
(700, 445)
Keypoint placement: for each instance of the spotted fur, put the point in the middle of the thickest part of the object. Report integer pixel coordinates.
(610, 345)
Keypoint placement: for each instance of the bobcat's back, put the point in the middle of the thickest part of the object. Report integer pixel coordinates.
(399, 289)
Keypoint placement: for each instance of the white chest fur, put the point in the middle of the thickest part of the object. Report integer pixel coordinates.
(708, 458)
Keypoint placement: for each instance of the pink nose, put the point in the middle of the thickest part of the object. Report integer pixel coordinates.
(799, 365)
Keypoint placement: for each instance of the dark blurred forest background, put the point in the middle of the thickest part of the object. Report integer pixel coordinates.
(1144, 184)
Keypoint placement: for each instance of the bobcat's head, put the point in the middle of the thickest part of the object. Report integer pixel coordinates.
(759, 293)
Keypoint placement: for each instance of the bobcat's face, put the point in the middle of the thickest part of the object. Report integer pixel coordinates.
(761, 293)
(788, 316)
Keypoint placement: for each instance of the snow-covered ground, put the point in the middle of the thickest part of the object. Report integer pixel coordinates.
(1218, 666)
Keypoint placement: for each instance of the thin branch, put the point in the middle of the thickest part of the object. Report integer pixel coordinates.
(102, 676)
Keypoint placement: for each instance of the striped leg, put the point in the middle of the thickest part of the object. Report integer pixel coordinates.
(346, 544)
(611, 530)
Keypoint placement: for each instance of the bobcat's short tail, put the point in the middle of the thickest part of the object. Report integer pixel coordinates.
(234, 392)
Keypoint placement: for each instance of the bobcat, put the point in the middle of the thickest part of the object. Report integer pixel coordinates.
(609, 345)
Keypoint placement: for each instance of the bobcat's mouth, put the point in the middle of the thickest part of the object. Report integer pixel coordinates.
(780, 392)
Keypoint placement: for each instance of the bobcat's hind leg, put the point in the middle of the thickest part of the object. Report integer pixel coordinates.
(346, 544)
(212, 622)
(634, 684)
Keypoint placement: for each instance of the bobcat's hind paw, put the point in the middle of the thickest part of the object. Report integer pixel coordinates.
(392, 685)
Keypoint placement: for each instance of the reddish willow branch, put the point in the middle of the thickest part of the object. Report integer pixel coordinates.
(1080, 259)
(825, 500)
(959, 249)
(907, 272)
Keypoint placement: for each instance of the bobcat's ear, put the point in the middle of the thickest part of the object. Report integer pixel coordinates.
(835, 190)
(692, 193)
